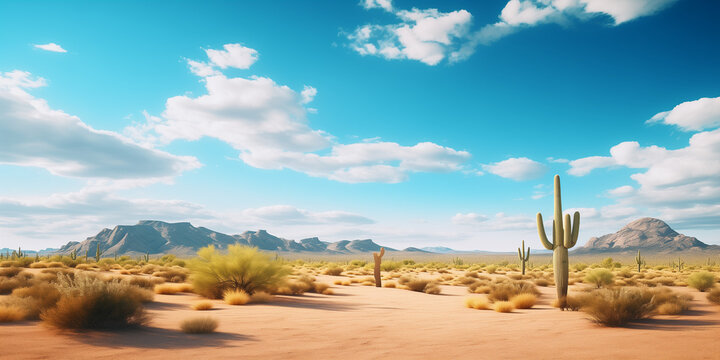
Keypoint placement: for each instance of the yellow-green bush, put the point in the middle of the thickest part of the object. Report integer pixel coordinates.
(600, 277)
(701, 280)
(242, 268)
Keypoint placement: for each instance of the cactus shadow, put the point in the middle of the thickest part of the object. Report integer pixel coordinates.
(158, 338)
(309, 303)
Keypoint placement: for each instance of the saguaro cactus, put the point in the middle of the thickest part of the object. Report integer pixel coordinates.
(378, 260)
(563, 239)
(639, 261)
(98, 253)
(524, 256)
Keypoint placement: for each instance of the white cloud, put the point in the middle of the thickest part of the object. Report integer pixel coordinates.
(308, 94)
(202, 69)
(696, 115)
(517, 12)
(519, 169)
(377, 4)
(468, 219)
(233, 55)
(584, 166)
(428, 36)
(620, 10)
(267, 123)
(51, 47)
(499, 222)
(290, 214)
(33, 134)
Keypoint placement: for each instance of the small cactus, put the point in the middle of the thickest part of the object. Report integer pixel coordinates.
(640, 261)
(73, 255)
(524, 256)
(147, 256)
(378, 259)
(98, 253)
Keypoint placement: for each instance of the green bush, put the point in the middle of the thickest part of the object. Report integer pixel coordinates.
(599, 277)
(242, 268)
(701, 280)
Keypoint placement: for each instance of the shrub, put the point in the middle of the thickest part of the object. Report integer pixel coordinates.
(476, 302)
(236, 297)
(390, 265)
(541, 282)
(503, 306)
(432, 288)
(202, 305)
(616, 307)
(714, 295)
(505, 290)
(38, 265)
(10, 313)
(701, 280)
(389, 284)
(420, 285)
(579, 267)
(670, 309)
(143, 282)
(36, 299)
(600, 277)
(523, 301)
(242, 268)
(172, 289)
(199, 325)
(334, 271)
(260, 297)
(172, 275)
(491, 269)
(87, 302)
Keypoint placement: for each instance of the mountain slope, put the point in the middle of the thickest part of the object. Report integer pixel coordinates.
(646, 234)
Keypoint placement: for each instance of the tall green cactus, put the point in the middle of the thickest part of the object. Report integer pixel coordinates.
(639, 260)
(98, 253)
(563, 239)
(524, 256)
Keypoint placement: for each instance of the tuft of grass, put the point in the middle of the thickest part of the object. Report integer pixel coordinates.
(670, 309)
(600, 277)
(523, 301)
(333, 271)
(504, 290)
(11, 313)
(714, 295)
(503, 306)
(202, 305)
(236, 297)
(261, 297)
(701, 280)
(476, 302)
(389, 284)
(172, 289)
(199, 325)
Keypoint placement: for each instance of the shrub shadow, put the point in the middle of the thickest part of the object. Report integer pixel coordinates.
(156, 338)
(308, 303)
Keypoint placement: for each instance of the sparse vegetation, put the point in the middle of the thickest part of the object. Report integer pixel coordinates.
(523, 301)
(199, 325)
(236, 297)
(600, 277)
(701, 280)
(202, 305)
(503, 306)
(477, 303)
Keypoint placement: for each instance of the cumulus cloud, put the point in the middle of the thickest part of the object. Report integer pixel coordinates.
(33, 134)
(51, 47)
(694, 115)
(519, 169)
(377, 4)
(498, 222)
(267, 123)
(430, 36)
(291, 214)
(232, 55)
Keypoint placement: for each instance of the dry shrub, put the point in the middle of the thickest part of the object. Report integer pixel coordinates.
(199, 325)
(600, 277)
(333, 271)
(669, 309)
(322, 288)
(172, 289)
(242, 268)
(476, 302)
(10, 271)
(55, 264)
(36, 299)
(17, 280)
(260, 297)
(504, 290)
(515, 276)
(337, 282)
(172, 275)
(87, 302)
(541, 282)
(389, 284)
(618, 306)
(465, 280)
(432, 288)
(202, 305)
(236, 297)
(420, 285)
(472, 274)
(714, 295)
(701, 280)
(503, 306)
(523, 301)
(664, 280)
(491, 269)
(143, 282)
(38, 265)
(10, 313)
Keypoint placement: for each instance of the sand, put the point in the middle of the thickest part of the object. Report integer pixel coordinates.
(362, 322)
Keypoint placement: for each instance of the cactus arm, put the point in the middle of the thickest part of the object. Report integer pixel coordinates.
(382, 252)
(520, 255)
(575, 228)
(527, 254)
(542, 234)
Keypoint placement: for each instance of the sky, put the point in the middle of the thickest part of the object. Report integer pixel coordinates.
(413, 123)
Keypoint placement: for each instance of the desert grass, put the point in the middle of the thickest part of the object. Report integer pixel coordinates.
(524, 301)
(199, 325)
(599, 277)
(505, 289)
(389, 284)
(202, 305)
(172, 288)
(333, 271)
(11, 313)
(618, 306)
(477, 303)
(701, 280)
(714, 295)
(236, 297)
(420, 285)
(503, 306)
(261, 297)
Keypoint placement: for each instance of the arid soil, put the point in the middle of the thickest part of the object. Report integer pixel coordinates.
(363, 322)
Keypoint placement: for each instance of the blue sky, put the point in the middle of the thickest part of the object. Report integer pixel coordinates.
(413, 123)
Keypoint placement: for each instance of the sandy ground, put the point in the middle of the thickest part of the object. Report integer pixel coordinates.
(361, 322)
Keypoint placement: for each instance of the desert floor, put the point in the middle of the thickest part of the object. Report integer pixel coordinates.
(363, 322)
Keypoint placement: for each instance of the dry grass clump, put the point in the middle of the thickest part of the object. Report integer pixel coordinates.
(670, 309)
(541, 282)
(714, 295)
(236, 297)
(389, 284)
(172, 289)
(199, 325)
(503, 306)
(11, 313)
(616, 307)
(87, 302)
(600, 277)
(477, 303)
(333, 271)
(322, 288)
(202, 305)
(176, 275)
(35, 299)
(242, 268)
(524, 301)
(10, 271)
(38, 265)
(701, 280)
(505, 289)
(260, 297)
(419, 285)
(144, 282)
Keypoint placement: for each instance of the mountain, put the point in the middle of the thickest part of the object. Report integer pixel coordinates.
(645, 234)
(158, 237)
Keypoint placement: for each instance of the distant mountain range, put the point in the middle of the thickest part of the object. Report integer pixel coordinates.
(158, 237)
(646, 234)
